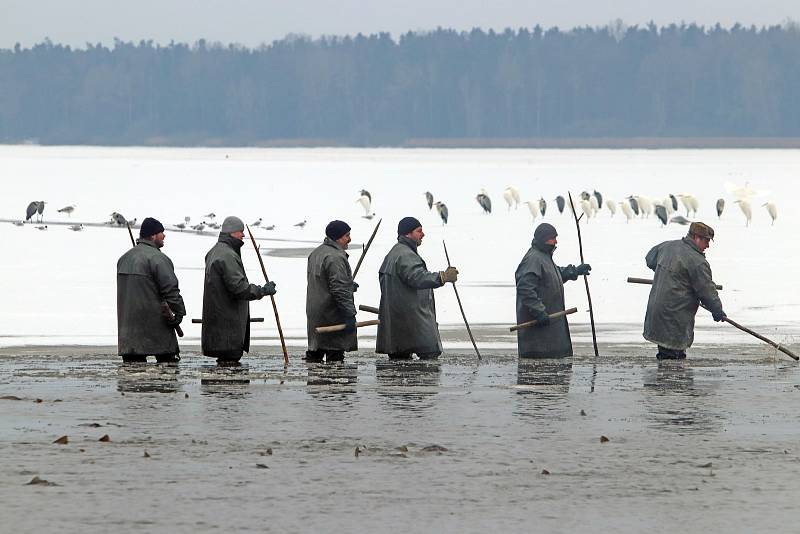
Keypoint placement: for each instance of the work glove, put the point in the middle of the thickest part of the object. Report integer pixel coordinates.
(355, 287)
(719, 315)
(268, 289)
(175, 321)
(449, 275)
(350, 324)
(542, 319)
(583, 269)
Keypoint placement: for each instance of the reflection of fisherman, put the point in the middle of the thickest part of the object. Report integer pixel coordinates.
(540, 291)
(145, 282)
(226, 296)
(329, 297)
(407, 310)
(682, 281)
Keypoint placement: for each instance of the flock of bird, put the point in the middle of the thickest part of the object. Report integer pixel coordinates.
(589, 205)
(666, 209)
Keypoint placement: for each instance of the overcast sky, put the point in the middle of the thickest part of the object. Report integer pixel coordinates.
(252, 22)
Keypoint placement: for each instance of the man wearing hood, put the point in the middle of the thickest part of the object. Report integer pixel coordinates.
(329, 296)
(149, 303)
(407, 310)
(226, 296)
(540, 292)
(681, 283)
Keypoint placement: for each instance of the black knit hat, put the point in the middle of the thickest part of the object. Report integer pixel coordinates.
(150, 227)
(336, 229)
(407, 225)
(544, 232)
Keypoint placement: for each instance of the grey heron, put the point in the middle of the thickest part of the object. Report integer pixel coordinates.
(720, 207)
(443, 212)
(542, 205)
(30, 211)
(429, 199)
(484, 201)
(661, 213)
(560, 203)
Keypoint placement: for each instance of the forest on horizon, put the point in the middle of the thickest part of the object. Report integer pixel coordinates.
(676, 81)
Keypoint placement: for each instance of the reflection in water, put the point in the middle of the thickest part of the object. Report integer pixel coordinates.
(542, 386)
(147, 378)
(675, 402)
(336, 380)
(408, 385)
(226, 381)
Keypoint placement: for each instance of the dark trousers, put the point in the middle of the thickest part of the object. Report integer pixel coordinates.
(670, 354)
(330, 355)
(160, 358)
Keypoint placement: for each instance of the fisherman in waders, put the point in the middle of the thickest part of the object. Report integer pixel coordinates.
(407, 310)
(329, 296)
(540, 292)
(681, 283)
(149, 303)
(226, 296)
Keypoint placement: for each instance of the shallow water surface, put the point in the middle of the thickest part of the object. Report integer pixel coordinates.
(449, 446)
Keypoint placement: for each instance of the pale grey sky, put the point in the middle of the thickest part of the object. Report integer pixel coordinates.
(252, 22)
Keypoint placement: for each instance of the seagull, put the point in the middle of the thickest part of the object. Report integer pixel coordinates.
(301, 224)
(484, 201)
(42, 227)
(19, 223)
(199, 227)
(369, 217)
(67, 209)
(772, 209)
(270, 227)
(720, 207)
(181, 226)
(429, 199)
(256, 223)
(443, 212)
(210, 216)
(76, 227)
(680, 219)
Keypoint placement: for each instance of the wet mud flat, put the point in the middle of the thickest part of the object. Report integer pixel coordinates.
(583, 444)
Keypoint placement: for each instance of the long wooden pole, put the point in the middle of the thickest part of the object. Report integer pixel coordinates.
(552, 316)
(366, 248)
(272, 297)
(585, 277)
(340, 327)
(647, 281)
(461, 307)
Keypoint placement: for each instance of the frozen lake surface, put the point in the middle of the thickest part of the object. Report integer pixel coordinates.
(705, 445)
(58, 286)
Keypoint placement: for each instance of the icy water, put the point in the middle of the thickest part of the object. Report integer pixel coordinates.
(709, 444)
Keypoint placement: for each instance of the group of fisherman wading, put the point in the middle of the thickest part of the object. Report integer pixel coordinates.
(150, 307)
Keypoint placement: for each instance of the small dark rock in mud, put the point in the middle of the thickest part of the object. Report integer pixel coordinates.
(262, 466)
(36, 481)
(434, 448)
(604, 439)
(63, 440)
(146, 454)
(9, 397)
(105, 438)
(545, 472)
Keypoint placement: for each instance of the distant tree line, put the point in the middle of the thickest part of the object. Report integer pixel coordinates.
(617, 81)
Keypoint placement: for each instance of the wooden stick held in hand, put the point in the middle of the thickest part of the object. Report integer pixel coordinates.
(366, 248)
(552, 316)
(272, 298)
(585, 278)
(647, 281)
(340, 327)
(464, 315)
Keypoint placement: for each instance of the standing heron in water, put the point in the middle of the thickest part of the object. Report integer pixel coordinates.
(429, 199)
(40, 209)
(443, 212)
(661, 213)
(30, 211)
(560, 203)
(772, 209)
(720, 207)
(484, 201)
(365, 200)
(634, 205)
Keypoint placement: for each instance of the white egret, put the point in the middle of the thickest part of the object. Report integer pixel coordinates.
(772, 209)
(533, 207)
(612, 206)
(744, 205)
(626, 210)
